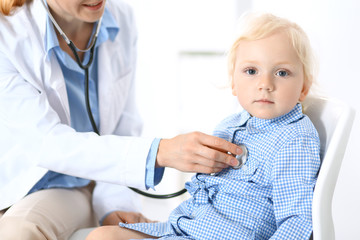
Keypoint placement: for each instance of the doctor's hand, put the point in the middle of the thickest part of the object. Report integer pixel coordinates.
(197, 152)
(126, 217)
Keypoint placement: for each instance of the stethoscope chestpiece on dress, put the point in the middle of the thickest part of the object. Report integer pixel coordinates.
(242, 158)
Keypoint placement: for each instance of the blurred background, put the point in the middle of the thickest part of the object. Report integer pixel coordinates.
(182, 78)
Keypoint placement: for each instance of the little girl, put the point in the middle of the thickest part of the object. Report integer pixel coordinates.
(270, 196)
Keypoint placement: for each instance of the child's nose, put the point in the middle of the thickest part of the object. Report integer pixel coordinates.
(266, 83)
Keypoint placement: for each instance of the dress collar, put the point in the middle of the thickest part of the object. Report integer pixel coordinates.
(257, 125)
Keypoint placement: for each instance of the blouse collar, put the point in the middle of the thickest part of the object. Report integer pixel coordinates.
(256, 125)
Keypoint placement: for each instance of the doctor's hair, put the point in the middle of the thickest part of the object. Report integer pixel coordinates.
(256, 26)
(7, 7)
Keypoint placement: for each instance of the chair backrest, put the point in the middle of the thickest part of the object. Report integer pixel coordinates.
(333, 120)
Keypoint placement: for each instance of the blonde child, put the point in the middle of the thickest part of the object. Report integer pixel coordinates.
(270, 196)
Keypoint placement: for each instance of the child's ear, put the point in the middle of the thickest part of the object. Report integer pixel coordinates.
(305, 90)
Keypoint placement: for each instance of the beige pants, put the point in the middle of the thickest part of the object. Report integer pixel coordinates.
(48, 214)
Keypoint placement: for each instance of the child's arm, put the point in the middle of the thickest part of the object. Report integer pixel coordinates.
(126, 217)
(294, 175)
(116, 233)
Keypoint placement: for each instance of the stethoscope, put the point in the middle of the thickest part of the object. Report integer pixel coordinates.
(241, 158)
(86, 66)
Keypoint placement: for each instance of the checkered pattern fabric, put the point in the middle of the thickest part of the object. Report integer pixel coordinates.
(270, 197)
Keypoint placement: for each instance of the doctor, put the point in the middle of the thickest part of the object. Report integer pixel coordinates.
(49, 152)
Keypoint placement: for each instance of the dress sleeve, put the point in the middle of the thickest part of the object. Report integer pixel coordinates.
(294, 176)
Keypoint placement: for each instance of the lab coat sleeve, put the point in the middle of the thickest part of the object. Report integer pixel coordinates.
(34, 138)
(111, 197)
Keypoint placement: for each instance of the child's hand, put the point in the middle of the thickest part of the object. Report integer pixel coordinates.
(126, 217)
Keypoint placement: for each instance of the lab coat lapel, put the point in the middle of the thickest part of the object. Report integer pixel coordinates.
(109, 86)
(56, 88)
(39, 15)
(54, 81)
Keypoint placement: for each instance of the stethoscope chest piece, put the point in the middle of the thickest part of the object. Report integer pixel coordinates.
(242, 158)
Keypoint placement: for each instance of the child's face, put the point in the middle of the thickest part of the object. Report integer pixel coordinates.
(268, 77)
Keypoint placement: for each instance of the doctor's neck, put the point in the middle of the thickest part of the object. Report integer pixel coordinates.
(77, 30)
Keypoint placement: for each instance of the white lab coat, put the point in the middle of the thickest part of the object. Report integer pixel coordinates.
(34, 113)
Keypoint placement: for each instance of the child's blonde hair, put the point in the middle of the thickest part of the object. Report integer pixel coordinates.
(255, 26)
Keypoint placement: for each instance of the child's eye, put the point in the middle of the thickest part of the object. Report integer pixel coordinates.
(250, 71)
(282, 73)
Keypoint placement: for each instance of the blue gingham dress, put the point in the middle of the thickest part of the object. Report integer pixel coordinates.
(270, 197)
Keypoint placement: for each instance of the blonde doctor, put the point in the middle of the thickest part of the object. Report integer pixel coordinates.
(52, 53)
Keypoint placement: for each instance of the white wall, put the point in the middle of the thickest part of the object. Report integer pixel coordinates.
(180, 93)
(169, 75)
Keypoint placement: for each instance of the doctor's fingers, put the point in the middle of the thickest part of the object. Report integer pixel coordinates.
(201, 164)
(208, 150)
(186, 150)
(221, 147)
(214, 158)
